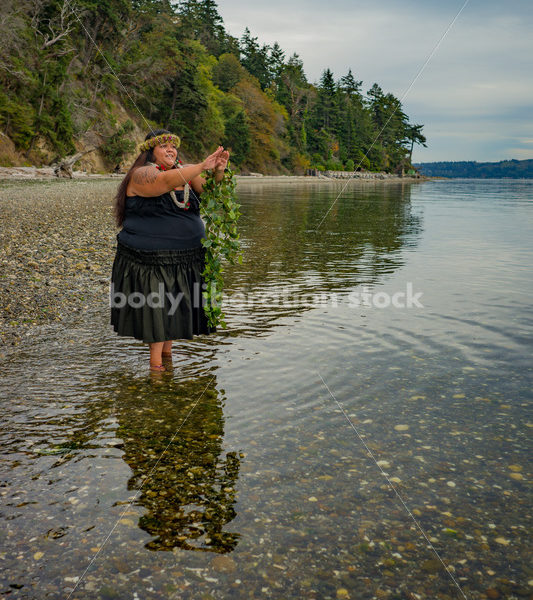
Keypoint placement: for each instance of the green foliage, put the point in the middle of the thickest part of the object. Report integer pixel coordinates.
(16, 119)
(514, 169)
(228, 72)
(237, 137)
(220, 211)
(350, 165)
(181, 69)
(255, 59)
(119, 144)
(200, 19)
(334, 165)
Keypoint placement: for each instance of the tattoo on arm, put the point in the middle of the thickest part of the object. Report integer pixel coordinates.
(145, 175)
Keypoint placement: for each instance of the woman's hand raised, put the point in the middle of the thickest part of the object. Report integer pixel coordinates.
(222, 161)
(212, 159)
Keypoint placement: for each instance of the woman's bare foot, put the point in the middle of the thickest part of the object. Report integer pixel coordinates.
(157, 368)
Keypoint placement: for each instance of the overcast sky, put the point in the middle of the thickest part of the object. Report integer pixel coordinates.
(475, 95)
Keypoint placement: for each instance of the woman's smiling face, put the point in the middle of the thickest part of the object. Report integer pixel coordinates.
(165, 155)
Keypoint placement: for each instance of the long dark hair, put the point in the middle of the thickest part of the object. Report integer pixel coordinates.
(143, 158)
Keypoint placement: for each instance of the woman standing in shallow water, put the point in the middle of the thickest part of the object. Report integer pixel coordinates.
(156, 282)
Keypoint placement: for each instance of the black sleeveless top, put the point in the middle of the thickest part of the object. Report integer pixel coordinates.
(159, 224)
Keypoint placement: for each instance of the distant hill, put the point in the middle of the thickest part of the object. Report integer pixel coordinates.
(514, 169)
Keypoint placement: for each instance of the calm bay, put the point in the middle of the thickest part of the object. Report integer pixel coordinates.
(362, 429)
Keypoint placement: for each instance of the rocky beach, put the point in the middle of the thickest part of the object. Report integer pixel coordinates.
(57, 245)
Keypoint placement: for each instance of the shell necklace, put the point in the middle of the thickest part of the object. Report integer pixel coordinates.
(185, 204)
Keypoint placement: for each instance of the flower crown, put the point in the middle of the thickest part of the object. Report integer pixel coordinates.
(164, 138)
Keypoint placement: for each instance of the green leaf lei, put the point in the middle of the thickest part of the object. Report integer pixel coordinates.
(220, 212)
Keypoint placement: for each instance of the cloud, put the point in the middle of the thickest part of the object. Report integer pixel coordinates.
(480, 73)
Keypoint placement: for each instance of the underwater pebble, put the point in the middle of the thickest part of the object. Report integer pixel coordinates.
(223, 564)
(401, 427)
(502, 541)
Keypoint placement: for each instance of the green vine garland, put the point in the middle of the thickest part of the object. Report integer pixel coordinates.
(220, 212)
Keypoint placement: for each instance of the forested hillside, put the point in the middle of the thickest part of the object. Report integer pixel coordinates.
(514, 169)
(82, 74)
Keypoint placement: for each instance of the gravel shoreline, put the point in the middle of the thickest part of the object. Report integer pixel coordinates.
(57, 248)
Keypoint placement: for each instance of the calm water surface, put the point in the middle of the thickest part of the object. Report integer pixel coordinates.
(330, 444)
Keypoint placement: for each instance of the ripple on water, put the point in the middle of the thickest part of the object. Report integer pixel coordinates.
(263, 467)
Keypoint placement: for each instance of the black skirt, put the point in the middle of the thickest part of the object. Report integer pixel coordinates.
(156, 295)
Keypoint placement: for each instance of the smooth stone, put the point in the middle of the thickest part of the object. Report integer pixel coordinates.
(502, 541)
(432, 565)
(223, 564)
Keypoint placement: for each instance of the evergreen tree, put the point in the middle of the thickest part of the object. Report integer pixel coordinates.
(276, 62)
(292, 93)
(414, 136)
(200, 19)
(58, 87)
(326, 101)
(227, 72)
(349, 85)
(255, 59)
(237, 138)
(353, 124)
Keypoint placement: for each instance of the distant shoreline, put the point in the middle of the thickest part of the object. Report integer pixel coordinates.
(294, 179)
(46, 173)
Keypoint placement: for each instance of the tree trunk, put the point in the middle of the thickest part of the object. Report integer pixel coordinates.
(173, 106)
(63, 167)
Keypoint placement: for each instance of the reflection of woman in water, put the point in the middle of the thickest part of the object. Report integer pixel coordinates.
(190, 494)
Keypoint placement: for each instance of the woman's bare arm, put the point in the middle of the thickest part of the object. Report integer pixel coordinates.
(148, 181)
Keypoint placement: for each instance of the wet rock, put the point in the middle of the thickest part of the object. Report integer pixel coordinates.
(223, 564)
(502, 541)
(401, 427)
(432, 565)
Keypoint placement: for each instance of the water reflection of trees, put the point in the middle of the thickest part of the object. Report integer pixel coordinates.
(363, 233)
(173, 437)
(291, 257)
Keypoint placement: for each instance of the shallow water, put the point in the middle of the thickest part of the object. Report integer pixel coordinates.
(318, 448)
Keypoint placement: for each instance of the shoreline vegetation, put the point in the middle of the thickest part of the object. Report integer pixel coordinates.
(174, 65)
(47, 173)
(503, 169)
